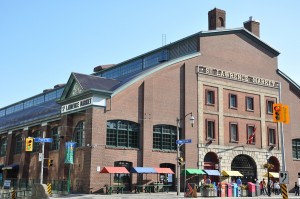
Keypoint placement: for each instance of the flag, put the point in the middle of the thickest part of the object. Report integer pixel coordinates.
(251, 137)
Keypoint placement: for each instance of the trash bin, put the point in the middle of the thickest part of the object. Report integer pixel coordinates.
(229, 189)
(223, 190)
(235, 190)
(251, 189)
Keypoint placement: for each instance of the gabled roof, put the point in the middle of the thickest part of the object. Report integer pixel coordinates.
(94, 82)
(243, 31)
(89, 82)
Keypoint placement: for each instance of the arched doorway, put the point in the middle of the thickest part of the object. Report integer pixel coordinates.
(211, 162)
(246, 166)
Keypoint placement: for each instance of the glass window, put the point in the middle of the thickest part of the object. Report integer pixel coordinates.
(18, 148)
(122, 133)
(296, 148)
(55, 136)
(272, 136)
(250, 134)
(164, 137)
(3, 145)
(210, 97)
(249, 103)
(234, 132)
(79, 135)
(210, 129)
(36, 145)
(2, 112)
(10, 110)
(270, 107)
(50, 96)
(59, 92)
(38, 100)
(232, 101)
(28, 103)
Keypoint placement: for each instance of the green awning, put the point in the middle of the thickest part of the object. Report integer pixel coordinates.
(194, 172)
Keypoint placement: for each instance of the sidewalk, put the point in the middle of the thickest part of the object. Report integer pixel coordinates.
(169, 195)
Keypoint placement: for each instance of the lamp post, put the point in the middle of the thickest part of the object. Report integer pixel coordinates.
(268, 183)
(192, 120)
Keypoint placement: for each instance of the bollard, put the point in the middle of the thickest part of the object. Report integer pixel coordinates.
(13, 195)
(49, 188)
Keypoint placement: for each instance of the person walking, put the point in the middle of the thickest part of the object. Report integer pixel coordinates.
(296, 189)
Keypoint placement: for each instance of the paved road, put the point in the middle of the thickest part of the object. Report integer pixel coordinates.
(153, 196)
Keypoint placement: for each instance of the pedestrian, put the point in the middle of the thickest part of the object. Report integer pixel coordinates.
(276, 188)
(261, 186)
(207, 181)
(296, 189)
(238, 182)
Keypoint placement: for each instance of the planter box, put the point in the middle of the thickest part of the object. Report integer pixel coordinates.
(207, 192)
(244, 193)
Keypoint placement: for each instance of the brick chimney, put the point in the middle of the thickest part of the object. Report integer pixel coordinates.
(252, 26)
(216, 19)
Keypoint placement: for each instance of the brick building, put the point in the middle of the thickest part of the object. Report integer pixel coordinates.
(127, 114)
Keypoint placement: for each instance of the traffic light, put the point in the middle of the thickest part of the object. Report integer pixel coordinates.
(50, 163)
(180, 161)
(278, 113)
(29, 144)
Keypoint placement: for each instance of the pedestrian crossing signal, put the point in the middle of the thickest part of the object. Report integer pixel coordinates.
(180, 161)
(29, 144)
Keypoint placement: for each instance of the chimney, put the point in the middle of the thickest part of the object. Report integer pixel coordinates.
(216, 19)
(252, 26)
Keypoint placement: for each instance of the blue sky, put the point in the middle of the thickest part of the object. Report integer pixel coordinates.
(42, 42)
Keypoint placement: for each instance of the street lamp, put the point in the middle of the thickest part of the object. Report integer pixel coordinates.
(192, 120)
(268, 165)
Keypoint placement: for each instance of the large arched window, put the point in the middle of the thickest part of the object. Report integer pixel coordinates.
(122, 133)
(55, 136)
(164, 137)
(3, 144)
(18, 147)
(296, 148)
(79, 135)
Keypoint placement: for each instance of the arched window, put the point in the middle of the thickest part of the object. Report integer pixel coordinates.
(3, 144)
(55, 136)
(79, 135)
(164, 137)
(296, 148)
(122, 133)
(36, 145)
(18, 147)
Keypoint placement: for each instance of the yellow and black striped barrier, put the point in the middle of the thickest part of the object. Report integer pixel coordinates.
(49, 188)
(284, 191)
(13, 195)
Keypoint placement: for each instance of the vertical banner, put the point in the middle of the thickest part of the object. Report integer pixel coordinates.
(69, 159)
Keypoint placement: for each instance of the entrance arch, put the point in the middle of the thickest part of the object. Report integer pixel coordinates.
(246, 166)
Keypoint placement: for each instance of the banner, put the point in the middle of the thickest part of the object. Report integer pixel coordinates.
(69, 159)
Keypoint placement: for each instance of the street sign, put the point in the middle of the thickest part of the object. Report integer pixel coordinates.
(41, 156)
(283, 177)
(183, 141)
(43, 140)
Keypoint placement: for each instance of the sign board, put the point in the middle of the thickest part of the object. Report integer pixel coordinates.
(283, 177)
(6, 184)
(43, 139)
(183, 141)
(41, 156)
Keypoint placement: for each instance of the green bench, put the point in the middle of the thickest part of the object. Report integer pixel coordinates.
(114, 188)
